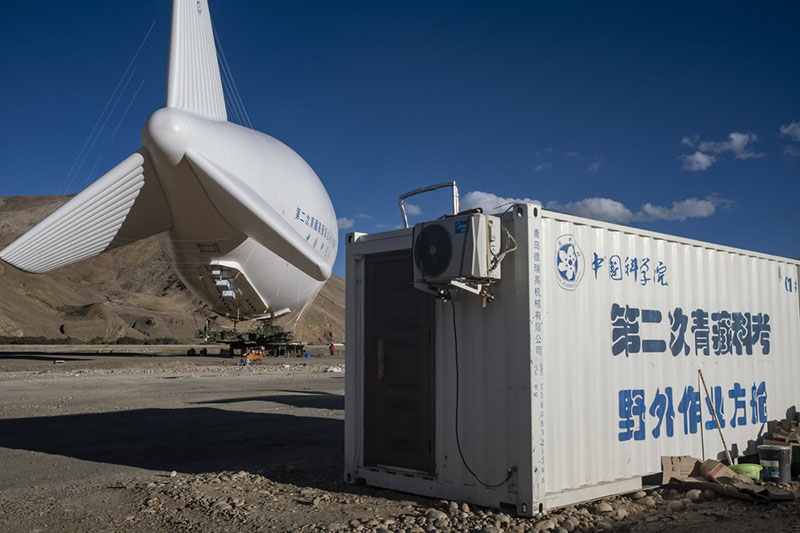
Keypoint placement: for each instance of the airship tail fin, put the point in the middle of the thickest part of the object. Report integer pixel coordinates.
(193, 81)
(243, 209)
(124, 205)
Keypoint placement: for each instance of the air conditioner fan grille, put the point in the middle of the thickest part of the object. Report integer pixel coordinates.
(433, 250)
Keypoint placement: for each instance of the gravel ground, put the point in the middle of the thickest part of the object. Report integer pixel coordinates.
(153, 442)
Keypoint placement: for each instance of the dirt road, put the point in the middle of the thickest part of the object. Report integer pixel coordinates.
(77, 440)
(139, 442)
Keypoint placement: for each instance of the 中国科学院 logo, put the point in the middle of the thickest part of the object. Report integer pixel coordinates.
(569, 262)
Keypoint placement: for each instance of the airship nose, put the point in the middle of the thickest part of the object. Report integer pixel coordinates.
(166, 132)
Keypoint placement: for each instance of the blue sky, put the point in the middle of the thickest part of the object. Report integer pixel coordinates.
(675, 117)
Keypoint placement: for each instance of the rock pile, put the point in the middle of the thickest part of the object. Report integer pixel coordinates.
(255, 502)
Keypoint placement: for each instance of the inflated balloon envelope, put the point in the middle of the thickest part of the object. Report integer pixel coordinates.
(229, 202)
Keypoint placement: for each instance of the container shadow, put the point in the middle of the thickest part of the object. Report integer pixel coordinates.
(301, 450)
(313, 400)
(189, 440)
(27, 356)
(71, 356)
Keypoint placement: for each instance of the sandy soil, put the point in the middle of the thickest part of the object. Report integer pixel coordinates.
(158, 442)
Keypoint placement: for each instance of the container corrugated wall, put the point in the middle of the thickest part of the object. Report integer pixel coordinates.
(568, 379)
(494, 382)
(609, 411)
(491, 388)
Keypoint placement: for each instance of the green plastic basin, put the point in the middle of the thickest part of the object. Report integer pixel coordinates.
(746, 469)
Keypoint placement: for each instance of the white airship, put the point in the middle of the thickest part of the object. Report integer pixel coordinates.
(244, 220)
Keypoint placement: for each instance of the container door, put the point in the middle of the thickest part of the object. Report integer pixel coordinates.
(398, 366)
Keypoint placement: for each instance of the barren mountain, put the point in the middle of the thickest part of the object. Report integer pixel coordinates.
(130, 293)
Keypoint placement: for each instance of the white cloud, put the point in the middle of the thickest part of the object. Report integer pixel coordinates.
(345, 223)
(614, 211)
(596, 208)
(594, 166)
(541, 160)
(571, 155)
(791, 130)
(605, 208)
(690, 140)
(491, 203)
(389, 226)
(689, 208)
(364, 216)
(413, 209)
(737, 144)
(697, 161)
(790, 152)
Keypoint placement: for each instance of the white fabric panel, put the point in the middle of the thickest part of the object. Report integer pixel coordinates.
(194, 82)
(86, 225)
(243, 209)
(150, 213)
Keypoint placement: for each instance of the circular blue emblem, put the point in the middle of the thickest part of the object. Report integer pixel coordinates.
(569, 262)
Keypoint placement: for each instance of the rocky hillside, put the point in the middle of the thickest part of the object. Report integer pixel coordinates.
(130, 293)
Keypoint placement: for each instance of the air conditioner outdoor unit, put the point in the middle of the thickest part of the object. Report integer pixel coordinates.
(457, 248)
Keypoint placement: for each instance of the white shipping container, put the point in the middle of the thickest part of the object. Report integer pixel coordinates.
(579, 375)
